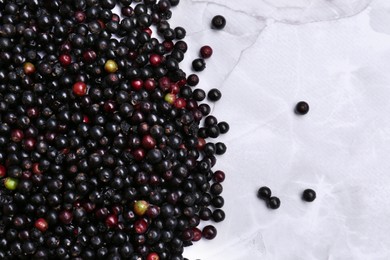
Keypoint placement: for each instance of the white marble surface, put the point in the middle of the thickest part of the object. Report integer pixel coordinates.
(335, 54)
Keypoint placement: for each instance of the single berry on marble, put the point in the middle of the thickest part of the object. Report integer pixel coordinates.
(218, 22)
(209, 232)
(264, 193)
(206, 52)
(273, 202)
(302, 108)
(214, 94)
(198, 64)
(309, 195)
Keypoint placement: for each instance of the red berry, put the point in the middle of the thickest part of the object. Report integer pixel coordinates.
(174, 88)
(141, 226)
(182, 82)
(3, 171)
(148, 142)
(197, 234)
(138, 154)
(137, 84)
(86, 119)
(201, 143)
(155, 60)
(41, 224)
(79, 88)
(180, 103)
(153, 256)
(112, 221)
(209, 232)
(65, 60)
(89, 56)
(148, 31)
(206, 52)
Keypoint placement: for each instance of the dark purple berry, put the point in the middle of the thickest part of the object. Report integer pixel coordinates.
(273, 202)
(302, 108)
(218, 22)
(309, 195)
(264, 193)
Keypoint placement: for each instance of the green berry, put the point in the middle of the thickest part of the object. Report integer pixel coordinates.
(140, 207)
(11, 183)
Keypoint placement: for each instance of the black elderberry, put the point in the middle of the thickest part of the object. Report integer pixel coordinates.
(264, 193)
(302, 108)
(218, 22)
(309, 195)
(214, 94)
(198, 64)
(273, 202)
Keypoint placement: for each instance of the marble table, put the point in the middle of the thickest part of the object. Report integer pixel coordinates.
(334, 54)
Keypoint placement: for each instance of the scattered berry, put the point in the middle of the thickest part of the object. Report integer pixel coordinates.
(264, 193)
(198, 64)
(302, 108)
(218, 22)
(209, 232)
(214, 94)
(309, 195)
(274, 202)
(206, 52)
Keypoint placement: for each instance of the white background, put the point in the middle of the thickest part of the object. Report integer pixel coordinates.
(334, 54)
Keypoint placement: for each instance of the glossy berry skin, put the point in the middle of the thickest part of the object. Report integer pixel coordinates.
(100, 153)
(218, 215)
(170, 98)
(153, 256)
(309, 195)
(11, 183)
(264, 193)
(112, 221)
(111, 66)
(198, 64)
(155, 60)
(65, 60)
(218, 22)
(140, 226)
(79, 88)
(197, 234)
(214, 94)
(206, 52)
(219, 176)
(274, 203)
(302, 108)
(29, 68)
(140, 207)
(209, 232)
(41, 224)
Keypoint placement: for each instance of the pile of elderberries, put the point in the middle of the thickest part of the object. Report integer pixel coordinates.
(106, 148)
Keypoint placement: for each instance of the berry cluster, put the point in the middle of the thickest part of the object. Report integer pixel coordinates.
(103, 149)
